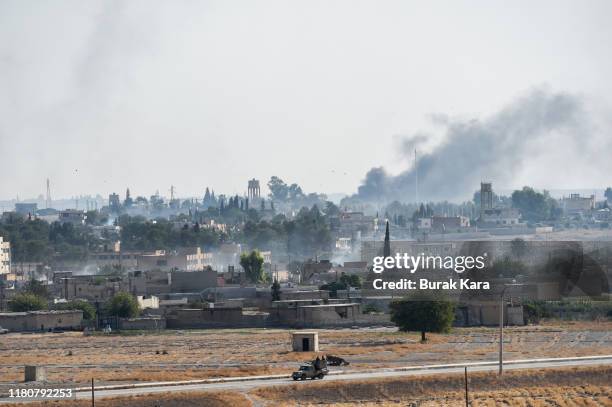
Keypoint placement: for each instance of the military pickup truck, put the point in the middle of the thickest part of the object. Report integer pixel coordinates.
(308, 371)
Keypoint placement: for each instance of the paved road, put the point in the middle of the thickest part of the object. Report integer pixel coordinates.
(413, 371)
(245, 384)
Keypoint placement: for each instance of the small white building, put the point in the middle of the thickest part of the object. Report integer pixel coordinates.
(305, 341)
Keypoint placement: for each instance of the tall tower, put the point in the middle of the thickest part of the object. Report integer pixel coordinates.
(253, 190)
(48, 200)
(486, 196)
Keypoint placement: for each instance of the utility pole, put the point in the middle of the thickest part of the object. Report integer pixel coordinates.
(501, 331)
(467, 402)
(501, 325)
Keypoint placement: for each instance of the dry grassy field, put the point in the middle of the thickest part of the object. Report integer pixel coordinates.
(73, 358)
(535, 388)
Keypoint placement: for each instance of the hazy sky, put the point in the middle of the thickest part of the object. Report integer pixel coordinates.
(100, 96)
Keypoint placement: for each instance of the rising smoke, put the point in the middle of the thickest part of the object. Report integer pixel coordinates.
(497, 148)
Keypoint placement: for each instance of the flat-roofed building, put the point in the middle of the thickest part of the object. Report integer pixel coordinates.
(26, 208)
(575, 204)
(73, 216)
(188, 259)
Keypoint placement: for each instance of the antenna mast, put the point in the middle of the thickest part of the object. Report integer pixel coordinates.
(416, 177)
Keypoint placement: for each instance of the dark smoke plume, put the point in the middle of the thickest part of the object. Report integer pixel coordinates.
(472, 151)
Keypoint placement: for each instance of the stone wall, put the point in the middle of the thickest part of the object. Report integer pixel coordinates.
(41, 320)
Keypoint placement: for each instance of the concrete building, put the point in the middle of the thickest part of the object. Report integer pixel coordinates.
(449, 223)
(126, 260)
(350, 222)
(73, 216)
(164, 282)
(319, 315)
(575, 204)
(491, 216)
(500, 217)
(311, 267)
(305, 341)
(5, 256)
(24, 271)
(187, 259)
(41, 320)
(24, 208)
(91, 288)
(214, 318)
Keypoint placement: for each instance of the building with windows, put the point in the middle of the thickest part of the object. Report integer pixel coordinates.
(575, 204)
(74, 216)
(5, 256)
(186, 259)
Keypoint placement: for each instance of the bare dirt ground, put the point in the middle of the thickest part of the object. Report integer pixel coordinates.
(170, 355)
(537, 388)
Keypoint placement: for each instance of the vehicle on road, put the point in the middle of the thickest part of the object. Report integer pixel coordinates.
(3, 331)
(308, 371)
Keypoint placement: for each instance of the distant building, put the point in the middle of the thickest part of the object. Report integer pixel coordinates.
(41, 320)
(312, 270)
(350, 222)
(254, 191)
(5, 256)
(486, 196)
(91, 288)
(26, 208)
(449, 223)
(495, 217)
(165, 282)
(424, 224)
(575, 204)
(73, 216)
(187, 259)
(500, 217)
(114, 202)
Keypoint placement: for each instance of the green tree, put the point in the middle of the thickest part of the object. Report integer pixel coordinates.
(350, 280)
(518, 247)
(89, 311)
(27, 302)
(535, 206)
(279, 191)
(252, 263)
(422, 315)
(276, 291)
(123, 305)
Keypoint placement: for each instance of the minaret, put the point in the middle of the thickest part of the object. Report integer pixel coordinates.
(387, 247)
